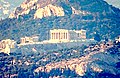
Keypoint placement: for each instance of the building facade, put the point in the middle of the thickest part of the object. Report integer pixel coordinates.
(31, 39)
(6, 45)
(118, 39)
(63, 35)
(11, 43)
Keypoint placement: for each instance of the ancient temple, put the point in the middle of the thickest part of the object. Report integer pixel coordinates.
(63, 35)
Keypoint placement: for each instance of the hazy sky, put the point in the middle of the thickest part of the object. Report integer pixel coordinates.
(18, 2)
(112, 2)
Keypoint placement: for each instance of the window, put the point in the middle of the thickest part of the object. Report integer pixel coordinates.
(78, 34)
(52, 36)
(59, 35)
(66, 35)
(56, 35)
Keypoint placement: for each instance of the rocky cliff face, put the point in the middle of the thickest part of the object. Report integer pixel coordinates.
(48, 11)
(91, 63)
(42, 9)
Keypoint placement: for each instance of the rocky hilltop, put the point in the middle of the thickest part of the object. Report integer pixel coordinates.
(39, 16)
(43, 9)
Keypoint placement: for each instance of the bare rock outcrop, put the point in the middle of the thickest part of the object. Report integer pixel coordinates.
(82, 65)
(42, 9)
(48, 11)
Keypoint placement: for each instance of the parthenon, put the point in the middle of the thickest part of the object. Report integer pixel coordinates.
(63, 35)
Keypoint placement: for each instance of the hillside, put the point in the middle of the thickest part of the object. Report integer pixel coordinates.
(39, 16)
(76, 62)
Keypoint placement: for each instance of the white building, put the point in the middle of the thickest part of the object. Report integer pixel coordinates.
(29, 39)
(6, 45)
(118, 39)
(63, 35)
(11, 43)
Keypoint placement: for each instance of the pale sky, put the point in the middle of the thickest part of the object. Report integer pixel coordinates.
(114, 2)
(18, 2)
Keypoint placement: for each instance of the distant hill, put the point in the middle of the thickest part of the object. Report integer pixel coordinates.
(39, 16)
(7, 6)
